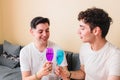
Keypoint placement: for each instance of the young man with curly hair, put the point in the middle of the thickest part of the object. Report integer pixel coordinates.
(100, 60)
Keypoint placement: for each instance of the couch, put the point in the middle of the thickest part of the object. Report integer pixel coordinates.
(9, 64)
(10, 68)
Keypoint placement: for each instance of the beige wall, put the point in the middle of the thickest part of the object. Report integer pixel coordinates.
(17, 15)
(0, 23)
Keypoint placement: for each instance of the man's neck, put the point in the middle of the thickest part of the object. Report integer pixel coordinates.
(98, 44)
(40, 46)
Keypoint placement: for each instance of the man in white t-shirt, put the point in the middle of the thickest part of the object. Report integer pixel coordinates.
(33, 62)
(100, 60)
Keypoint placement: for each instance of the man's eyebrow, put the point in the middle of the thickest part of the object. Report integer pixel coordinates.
(81, 26)
(40, 30)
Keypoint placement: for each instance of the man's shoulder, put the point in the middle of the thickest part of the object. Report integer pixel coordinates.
(113, 47)
(114, 50)
(27, 46)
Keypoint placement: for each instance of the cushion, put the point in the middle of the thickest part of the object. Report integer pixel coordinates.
(75, 62)
(1, 48)
(11, 49)
(8, 61)
(69, 59)
(72, 60)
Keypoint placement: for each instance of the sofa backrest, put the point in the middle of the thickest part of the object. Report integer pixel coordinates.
(1, 48)
(72, 60)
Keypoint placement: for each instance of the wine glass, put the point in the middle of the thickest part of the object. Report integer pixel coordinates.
(60, 56)
(49, 54)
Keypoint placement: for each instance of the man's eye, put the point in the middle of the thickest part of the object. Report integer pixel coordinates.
(40, 31)
(82, 29)
(47, 30)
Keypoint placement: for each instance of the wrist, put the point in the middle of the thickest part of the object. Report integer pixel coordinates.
(38, 76)
(69, 76)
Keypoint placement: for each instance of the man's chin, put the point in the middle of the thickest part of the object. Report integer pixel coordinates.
(44, 41)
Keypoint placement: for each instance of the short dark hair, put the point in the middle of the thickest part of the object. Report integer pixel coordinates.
(37, 20)
(96, 17)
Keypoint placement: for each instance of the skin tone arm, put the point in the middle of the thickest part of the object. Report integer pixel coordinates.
(79, 74)
(47, 67)
(66, 75)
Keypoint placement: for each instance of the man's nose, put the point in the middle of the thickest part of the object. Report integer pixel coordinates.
(44, 33)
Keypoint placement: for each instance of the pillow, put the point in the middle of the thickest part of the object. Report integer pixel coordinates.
(75, 62)
(72, 60)
(9, 61)
(1, 49)
(11, 49)
(69, 59)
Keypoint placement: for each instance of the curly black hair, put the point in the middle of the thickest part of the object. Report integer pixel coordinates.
(96, 17)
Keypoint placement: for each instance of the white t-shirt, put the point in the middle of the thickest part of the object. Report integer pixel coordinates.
(31, 59)
(100, 64)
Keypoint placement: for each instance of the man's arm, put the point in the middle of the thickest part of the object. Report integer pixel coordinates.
(47, 68)
(79, 74)
(26, 75)
(66, 75)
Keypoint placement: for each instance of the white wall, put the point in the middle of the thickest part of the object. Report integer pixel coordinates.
(17, 15)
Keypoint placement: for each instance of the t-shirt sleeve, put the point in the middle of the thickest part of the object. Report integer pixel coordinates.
(24, 61)
(81, 55)
(114, 68)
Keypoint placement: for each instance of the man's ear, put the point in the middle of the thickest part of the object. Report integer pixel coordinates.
(31, 31)
(97, 31)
